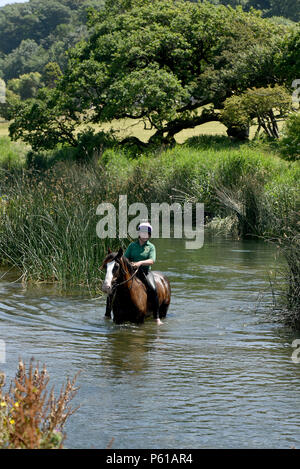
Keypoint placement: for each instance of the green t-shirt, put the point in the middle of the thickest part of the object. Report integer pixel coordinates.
(135, 252)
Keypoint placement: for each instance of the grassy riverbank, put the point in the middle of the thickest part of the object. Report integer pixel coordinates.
(48, 221)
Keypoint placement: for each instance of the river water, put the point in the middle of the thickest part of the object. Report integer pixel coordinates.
(217, 374)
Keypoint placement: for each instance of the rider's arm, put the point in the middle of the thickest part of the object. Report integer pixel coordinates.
(146, 262)
(151, 258)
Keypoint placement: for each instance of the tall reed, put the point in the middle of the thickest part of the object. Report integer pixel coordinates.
(287, 239)
(48, 227)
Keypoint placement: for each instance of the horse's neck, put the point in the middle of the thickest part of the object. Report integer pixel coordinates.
(124, 274)
(129, 276)
(132, 293)
(126, 269)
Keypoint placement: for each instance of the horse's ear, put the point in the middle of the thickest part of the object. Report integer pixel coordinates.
(120, 253)
(109, 251)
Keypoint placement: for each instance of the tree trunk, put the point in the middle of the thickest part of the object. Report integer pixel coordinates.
(238, 133)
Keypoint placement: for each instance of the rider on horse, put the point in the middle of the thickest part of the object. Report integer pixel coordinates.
(142, 254)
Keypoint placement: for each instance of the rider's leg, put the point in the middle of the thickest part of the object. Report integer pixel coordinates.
(152, 293)
(149, 282)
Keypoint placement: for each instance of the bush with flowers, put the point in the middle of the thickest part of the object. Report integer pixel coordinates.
(29, 417)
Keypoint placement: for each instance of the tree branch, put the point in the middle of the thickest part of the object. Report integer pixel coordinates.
(177, 125)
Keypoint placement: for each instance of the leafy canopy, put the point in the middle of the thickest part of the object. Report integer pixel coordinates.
(131, 54)
(161, 61)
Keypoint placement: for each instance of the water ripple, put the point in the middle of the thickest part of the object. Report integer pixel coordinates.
(216, 374)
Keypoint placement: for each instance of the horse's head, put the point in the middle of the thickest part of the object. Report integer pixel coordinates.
(113, 269)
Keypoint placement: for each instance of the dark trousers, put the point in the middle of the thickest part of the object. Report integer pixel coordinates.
(147, 278)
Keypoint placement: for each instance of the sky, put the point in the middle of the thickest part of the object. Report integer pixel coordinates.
(5, 2)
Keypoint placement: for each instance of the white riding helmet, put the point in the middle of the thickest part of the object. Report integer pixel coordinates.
(145, 229)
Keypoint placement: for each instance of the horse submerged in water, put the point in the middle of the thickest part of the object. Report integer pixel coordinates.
(127, 295)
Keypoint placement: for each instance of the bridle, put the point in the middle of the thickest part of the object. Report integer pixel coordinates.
(116, 285)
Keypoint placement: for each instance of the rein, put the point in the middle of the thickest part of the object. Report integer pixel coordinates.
(125, 281)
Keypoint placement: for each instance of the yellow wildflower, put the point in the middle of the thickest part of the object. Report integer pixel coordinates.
(12, 421)
(3, 404)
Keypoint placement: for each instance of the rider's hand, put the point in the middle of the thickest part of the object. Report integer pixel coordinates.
(137, 264)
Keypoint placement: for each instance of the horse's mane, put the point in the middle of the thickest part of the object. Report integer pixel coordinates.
(128, 264)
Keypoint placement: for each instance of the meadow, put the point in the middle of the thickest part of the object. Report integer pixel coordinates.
(131, 127)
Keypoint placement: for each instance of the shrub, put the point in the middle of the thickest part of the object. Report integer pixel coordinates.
(266, 105)
(31, 419)
(91, 144)
(290, 142)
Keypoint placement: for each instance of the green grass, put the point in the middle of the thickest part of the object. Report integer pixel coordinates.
(12, 154)
(4, 129)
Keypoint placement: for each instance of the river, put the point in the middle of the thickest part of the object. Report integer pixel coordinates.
(217, 374)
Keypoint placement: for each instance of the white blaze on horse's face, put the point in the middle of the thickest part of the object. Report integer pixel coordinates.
(106, 286)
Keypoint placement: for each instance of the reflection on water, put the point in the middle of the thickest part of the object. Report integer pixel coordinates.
(216, 374)
(126, 351)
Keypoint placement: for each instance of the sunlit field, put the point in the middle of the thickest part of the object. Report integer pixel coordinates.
(130, 127)
(3, 129)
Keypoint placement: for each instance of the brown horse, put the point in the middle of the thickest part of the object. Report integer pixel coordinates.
(127, 295)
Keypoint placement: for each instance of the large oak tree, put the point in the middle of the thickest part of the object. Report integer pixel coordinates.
(169, 63)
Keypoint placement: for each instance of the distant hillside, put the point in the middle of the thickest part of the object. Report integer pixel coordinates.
(285, 8)
(40, 31)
